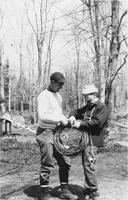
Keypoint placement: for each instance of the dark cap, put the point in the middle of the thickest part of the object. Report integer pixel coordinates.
(57, 76)
(2, 100)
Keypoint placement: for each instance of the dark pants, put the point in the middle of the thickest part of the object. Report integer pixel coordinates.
(48, 151)
(89, 172)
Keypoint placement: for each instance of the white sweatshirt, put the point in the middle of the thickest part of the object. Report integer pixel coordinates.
(49, 109)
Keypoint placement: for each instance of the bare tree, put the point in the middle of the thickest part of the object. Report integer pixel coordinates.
(96, 30)
(107, 43)
(1, 65)
(21, 77)
(41, 30)
(114, 51)
(76, 35)
(49, 43)
(32, 79)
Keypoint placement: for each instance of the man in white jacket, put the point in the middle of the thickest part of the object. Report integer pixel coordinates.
(49, 116)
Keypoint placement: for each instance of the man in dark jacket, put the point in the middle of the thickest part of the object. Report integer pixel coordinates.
(92, 119)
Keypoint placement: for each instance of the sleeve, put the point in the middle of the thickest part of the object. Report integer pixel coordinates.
(97, 120)
(44, 111)
(78, 113)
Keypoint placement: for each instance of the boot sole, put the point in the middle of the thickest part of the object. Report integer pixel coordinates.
(67, 198)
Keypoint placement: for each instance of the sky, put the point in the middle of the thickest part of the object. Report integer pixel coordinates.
(13, 13)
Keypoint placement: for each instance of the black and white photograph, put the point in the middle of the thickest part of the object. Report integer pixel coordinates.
(63, 100)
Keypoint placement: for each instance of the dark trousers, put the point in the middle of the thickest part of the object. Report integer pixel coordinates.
(89, 172)
(48, 151)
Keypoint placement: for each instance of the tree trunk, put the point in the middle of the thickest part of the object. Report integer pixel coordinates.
(113, 53)
(2, 84)
(39, 63)
(97, 46)
(9, 95)
(21, 109)
(93, 7)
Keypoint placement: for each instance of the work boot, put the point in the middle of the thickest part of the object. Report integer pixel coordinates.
(45, 194)
(86, 191)
(93, 195)
(66, 194)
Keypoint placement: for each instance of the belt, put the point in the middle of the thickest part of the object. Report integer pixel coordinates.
(40, 130)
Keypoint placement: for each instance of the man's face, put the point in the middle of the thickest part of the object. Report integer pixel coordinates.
(56, 86)
(89, 97)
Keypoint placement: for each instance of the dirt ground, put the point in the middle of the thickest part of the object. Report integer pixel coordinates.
(20, 162)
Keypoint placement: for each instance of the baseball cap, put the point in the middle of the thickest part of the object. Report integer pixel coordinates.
(88, 89)
(57, 76)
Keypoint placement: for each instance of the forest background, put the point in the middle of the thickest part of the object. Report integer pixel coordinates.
(84, 39)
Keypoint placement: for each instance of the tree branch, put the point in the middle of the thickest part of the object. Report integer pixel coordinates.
(107, 32)
(115, 74)
(31, 24)
(87, 3)
(36, 18)
(121, 19)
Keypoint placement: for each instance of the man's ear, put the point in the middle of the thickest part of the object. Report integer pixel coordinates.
(52, 81)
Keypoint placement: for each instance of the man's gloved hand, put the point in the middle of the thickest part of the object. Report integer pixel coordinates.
(72, 120)
(76, 124)
(64, 120)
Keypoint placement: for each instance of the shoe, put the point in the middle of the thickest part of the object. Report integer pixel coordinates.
(46, 197)
(66, 194)
(93, 195)
(45, 194)
(86, 191)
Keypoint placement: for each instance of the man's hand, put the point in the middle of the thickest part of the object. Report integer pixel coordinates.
(72, 120)
(76, 124)
(64, 120)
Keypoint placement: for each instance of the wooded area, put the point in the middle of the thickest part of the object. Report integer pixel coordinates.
(96, 34)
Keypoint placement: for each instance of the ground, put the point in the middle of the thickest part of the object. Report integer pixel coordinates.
(20, 161)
